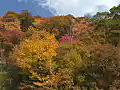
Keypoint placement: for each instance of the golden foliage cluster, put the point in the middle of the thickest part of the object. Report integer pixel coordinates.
(35, 54)
(40, 46)
(11, 26)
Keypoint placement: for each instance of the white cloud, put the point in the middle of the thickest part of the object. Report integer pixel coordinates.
(78, 7)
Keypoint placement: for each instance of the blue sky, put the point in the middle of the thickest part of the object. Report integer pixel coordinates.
(47, 8)
(31, 5)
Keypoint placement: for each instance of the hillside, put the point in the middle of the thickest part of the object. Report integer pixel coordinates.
(60, 53)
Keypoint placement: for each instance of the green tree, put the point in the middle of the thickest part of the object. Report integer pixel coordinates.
(26, 20)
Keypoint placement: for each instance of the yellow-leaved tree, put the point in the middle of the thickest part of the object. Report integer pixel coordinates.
(35, 55)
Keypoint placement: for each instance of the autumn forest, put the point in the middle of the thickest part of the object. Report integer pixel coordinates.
(60, 53)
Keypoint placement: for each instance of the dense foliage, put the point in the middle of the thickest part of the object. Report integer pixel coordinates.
(62, 52)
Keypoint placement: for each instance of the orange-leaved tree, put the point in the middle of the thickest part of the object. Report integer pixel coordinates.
(35, 55)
